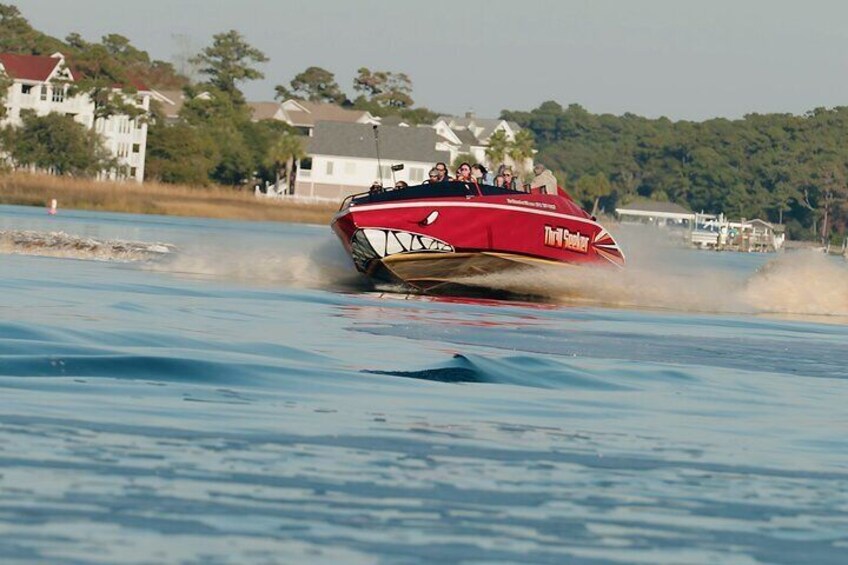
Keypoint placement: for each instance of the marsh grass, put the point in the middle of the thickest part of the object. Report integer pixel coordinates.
(157, 198)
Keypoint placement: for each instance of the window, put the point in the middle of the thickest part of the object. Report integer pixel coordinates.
(136, 147)
(132, 171)
(26, 88)
(329, 168)
(350, 168)
(44, 92)
(416, 174)
(58, 94)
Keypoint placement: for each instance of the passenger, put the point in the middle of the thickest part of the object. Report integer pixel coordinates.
(376, 186)
(463, 173)
(509, 179)
(433, 176)
(499, 180)
(401, 184)
(544, 181)
(443, 172)
(480, 173)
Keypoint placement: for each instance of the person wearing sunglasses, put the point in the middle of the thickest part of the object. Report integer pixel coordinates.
(463, 173)
(508, 179)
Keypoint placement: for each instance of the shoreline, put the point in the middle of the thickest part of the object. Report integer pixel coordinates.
(22, 189)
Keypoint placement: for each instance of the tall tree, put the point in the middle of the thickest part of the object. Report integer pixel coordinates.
(217, 115)
(386, 89)
(181, 154)
(314, 84)
(521, 149)
(592, 188)
(228, 62)
(57, 143)
(497, 148)
(18, 36)
(282, 156)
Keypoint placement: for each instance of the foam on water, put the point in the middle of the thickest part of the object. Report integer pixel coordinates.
(660, 275)
(63, 245)
(322, 265)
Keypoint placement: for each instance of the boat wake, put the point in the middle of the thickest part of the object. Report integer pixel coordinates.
(323, 266)
(64, 245)
(795, 284)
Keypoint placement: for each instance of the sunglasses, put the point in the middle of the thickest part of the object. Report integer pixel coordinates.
(507, 174)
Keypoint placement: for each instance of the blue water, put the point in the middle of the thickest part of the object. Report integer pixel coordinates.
(253, 401)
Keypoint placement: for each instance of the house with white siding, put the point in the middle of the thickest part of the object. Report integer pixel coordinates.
(341, 152)
(343, 158)
(471, 135)
(41, 84)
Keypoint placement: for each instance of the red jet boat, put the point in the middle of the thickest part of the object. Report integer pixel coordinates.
(434, 235)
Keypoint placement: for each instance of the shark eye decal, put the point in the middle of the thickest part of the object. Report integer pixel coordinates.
(430, 219)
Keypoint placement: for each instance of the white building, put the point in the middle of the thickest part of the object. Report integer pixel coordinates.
(470, 136)
(341, 151)
(40, 83)
(343, 158)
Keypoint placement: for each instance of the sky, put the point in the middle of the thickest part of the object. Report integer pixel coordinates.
(683, 59)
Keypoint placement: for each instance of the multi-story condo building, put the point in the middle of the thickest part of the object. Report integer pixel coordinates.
(41, 84)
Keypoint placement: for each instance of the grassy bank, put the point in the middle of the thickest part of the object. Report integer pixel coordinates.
(155, 198)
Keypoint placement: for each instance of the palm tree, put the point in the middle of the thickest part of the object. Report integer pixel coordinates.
(521, 149)
(498, 146)
(281, 156)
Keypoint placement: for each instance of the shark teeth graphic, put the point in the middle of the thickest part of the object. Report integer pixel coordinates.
(377, 243)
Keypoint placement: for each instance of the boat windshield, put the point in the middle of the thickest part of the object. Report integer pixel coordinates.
(432, 190)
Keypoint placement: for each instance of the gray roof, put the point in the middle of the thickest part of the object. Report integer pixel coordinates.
(357, 140)
(466, 137)
(392, 121)
(655, 206)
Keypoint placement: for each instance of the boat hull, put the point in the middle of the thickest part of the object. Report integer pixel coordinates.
(427, 243)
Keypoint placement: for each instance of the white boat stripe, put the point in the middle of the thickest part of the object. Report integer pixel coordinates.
(452, 204)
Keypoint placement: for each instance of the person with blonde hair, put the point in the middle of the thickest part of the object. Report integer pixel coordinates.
(509, 178)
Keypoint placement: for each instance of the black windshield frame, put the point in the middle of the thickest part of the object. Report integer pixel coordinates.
(447, 189)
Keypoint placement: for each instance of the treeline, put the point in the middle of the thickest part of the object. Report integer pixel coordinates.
(780, 167)
(214, 140)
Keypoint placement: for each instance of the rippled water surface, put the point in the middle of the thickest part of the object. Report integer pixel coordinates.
(250, 400)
